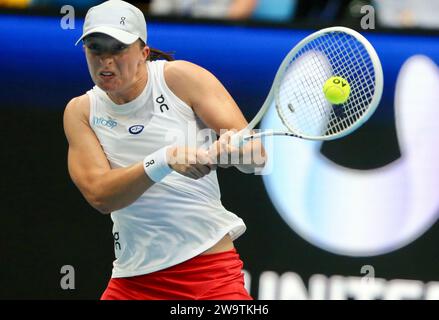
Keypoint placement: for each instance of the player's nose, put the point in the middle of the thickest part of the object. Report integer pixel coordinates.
(106, 58)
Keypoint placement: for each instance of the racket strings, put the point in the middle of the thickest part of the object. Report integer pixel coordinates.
(300, 100)
(346, 115)
(354, 111)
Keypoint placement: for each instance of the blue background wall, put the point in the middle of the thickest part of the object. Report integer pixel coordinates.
(40, 59)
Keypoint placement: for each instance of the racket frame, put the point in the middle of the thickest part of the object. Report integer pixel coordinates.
(242, 137)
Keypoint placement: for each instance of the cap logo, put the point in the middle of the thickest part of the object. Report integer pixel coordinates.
(122, 20)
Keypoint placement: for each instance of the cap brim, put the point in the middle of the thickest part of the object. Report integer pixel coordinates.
(118, 34)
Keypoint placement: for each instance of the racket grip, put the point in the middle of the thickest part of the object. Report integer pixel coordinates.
(237, 140)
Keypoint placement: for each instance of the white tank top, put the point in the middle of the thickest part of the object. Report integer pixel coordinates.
(177, 218)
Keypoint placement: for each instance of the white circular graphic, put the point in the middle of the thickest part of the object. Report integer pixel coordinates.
(365, 212)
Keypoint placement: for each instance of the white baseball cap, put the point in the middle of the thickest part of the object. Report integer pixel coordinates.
(118, 19)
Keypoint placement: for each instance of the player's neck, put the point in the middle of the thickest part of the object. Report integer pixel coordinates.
(133, 91)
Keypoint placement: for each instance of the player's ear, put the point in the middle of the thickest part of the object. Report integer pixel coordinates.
(145, 53)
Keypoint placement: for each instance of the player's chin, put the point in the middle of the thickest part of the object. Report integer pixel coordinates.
(108, 84)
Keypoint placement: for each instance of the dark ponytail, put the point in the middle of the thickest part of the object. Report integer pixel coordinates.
(157, 54)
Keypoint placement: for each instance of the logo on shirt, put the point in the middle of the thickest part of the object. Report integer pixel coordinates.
(116, 241)
(136, 129)
(161, 101)
(104, 122)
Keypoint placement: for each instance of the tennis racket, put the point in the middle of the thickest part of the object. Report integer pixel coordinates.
(297, 88)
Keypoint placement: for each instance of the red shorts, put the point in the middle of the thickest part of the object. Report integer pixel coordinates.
(216, 276)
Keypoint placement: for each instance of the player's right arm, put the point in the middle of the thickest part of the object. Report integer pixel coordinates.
(104, 188)
(108, 189)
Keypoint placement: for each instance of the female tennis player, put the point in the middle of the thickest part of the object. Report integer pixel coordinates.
(131, 155)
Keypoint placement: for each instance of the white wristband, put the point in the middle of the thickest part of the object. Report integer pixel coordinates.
(156, 165)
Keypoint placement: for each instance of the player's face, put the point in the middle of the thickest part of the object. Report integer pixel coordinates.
(113, 65)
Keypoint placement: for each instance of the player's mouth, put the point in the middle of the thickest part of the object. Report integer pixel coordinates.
(106, 75)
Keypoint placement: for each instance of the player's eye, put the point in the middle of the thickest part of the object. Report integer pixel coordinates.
(94, 47)
(119, 47)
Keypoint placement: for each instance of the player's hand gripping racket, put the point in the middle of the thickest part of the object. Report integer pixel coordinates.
(298, 88)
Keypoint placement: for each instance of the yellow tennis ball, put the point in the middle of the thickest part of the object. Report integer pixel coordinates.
(337, 90)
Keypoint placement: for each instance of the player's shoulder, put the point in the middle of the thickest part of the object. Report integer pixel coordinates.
(181, 75)
(182, 68)
(78, 107)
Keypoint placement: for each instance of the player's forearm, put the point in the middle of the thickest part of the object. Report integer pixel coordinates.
(118, 188)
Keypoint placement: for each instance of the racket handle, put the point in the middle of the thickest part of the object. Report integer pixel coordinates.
(237, 140)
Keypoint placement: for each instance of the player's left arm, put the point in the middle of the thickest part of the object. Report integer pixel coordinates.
(201, 90)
